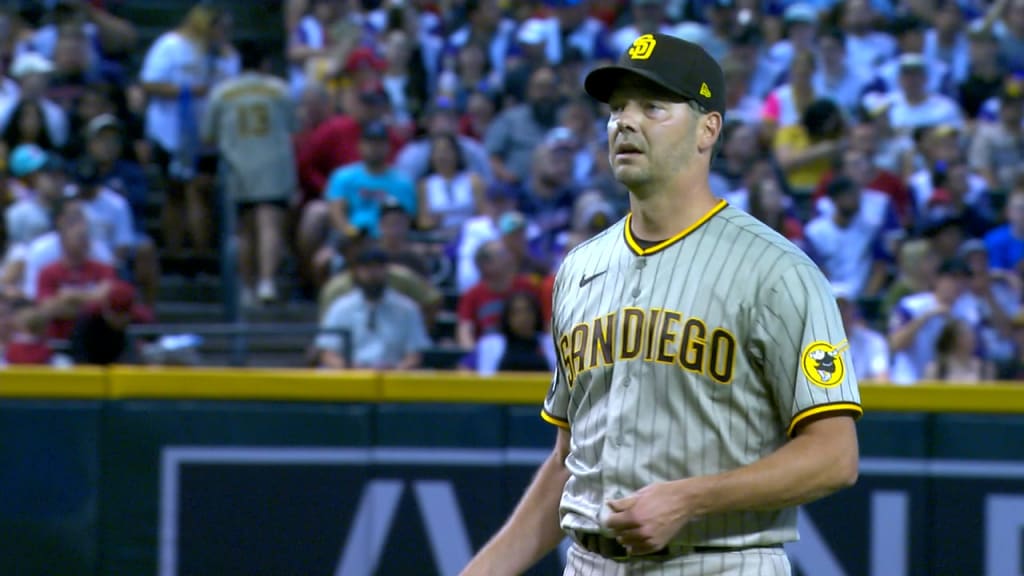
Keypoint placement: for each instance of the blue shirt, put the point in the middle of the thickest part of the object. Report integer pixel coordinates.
(1004, 250)
(364, 193)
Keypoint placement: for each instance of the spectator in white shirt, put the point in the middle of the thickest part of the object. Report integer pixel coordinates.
(869, 349)
(911, 35)
(385, 329)
(918, 320)
(849, 243)
(866, 47)
(914, 106)
(946, 41)
(834, 76)
(32, 72)
(177, 74)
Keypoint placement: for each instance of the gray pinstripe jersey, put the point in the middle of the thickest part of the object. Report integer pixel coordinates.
(692, 357)
(250, 117)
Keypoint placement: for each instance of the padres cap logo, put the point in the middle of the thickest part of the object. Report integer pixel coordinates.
(704, 90)
(642, 47)
(823, 364)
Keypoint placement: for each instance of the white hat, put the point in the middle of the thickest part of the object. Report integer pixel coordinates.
(532, 32)
(28, 63)
(800, 12)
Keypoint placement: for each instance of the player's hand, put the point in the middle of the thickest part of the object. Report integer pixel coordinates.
(645, 521)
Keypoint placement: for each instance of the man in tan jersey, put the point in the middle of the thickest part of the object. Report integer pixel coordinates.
(704, 389)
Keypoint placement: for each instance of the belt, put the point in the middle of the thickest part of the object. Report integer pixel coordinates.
(611, 549)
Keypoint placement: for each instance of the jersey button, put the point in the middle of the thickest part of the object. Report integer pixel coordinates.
(640, 263)
(636, 291)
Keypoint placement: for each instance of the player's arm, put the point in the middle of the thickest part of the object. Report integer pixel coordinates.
(533, 529)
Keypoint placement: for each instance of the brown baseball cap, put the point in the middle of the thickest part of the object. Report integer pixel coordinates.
(681, 67)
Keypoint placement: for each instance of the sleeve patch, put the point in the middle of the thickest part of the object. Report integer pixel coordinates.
(822, 363)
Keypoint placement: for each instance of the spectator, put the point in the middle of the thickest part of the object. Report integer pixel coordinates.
(942, 156)
(916, 267)
(984, 71)
(69, 285)
(849, 243)
(914, 104)
(805, 151)
(648, 16)
(336, 143)
(890, 150)
(946, 41)
(37, 185)
(481, 109)
(514, 136)
(384, 328)
(110, 221)
(918, 319)
(404, 82)
(742, 103)
(527, 258)
(1010, 32)
(26, 125)
(945, 237)
(177, 75)
(105, 34)
(859, 167)
(356, 192)
(441, 120)
(741, 149)
(997, 148)
(395, 228)
(99, 335)
(956, 359)
(481, 306)
(28, 344)
(997, 296)
(787, 105)
(308, 42)
(833, 75)
(32, 72)
(550, 192)
(869, 350)
(867, 47)
(522, 344)
(104, 146)
(407, 281)
(481, 229)
(910, 36)
(450, 193)
(592, 213)
(570, 29)
(767, 203)
(1006, 243)
(949, 199)
(249, 118)
(49, 248)
(486, 26)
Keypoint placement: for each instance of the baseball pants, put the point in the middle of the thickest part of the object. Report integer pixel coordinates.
(748, 562)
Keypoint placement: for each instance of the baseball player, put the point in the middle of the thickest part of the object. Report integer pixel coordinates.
(703, 388)
(250, 119)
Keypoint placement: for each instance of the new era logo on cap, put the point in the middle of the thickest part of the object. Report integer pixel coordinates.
(680, 67)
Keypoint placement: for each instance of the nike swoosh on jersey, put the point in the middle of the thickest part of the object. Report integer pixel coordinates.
(588, 279)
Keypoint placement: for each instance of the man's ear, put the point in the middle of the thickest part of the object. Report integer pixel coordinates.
(709, 131)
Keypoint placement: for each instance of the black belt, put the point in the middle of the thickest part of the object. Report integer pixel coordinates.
(611, 549)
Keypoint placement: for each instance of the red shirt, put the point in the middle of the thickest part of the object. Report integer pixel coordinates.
(27, 349)
(333, 144)
(547, 289)
(483, 306)
(59, 275)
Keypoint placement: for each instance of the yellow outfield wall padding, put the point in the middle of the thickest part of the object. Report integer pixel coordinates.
(45, 382)
(243, 384)
(124, 382)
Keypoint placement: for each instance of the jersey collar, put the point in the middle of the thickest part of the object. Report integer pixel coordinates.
(639, 251)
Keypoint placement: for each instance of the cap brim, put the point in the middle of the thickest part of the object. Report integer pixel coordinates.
(600, 82)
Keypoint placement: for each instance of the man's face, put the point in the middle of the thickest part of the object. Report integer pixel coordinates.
(374, 150)
(949, 287)
(848, 202)
(543, 86)
(947, 20)
(650, 134)
(105, 147)
(913, 82)
(857, 167)
(833, 53)
(863, 138)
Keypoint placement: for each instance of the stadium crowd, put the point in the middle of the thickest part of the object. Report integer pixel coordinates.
(413, 149)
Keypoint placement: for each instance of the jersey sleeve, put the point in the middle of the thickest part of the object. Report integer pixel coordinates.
(556, 404)
(802, 347)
